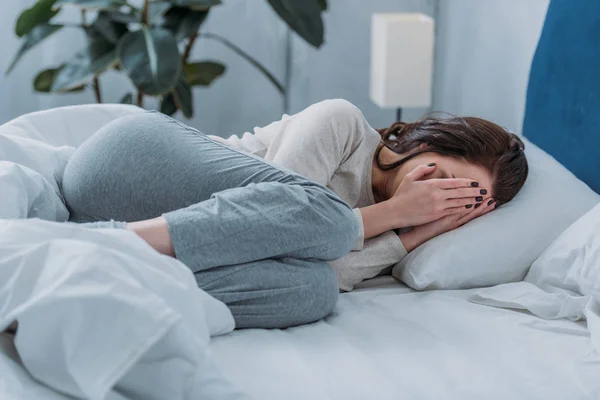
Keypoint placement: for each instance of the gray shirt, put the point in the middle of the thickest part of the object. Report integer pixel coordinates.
(332, 144)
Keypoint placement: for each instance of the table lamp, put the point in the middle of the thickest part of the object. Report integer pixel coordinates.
(402, 60)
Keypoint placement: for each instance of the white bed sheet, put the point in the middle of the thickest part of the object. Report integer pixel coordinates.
(390, 342)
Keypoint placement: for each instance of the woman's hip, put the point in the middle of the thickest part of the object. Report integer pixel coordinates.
(140, 166)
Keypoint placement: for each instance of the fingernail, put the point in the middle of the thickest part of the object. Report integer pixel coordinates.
(490, 202)
(479, 199)
(483, 191)
(475, 184)
(469, 205)
(477, 205)
(431, 165)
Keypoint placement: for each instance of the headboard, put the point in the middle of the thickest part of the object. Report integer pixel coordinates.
(563, 98)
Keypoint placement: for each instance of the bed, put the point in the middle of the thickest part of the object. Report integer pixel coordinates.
(386, 340)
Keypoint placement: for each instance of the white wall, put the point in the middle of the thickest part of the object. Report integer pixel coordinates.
(484, 53)
(342, 67)
(243, 98)
(238, 101)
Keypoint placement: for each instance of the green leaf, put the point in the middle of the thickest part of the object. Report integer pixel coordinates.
(45, 79)
(196, 4)
(183, 97)
(304, 17)
(94, 4)
(323, 5)
(183, 22)
(167, 105)
(157, 10)
(127, 99)
(121, 17)
(97, 57)
(203, 73)
(109, 29)
(35, 37)
(151, 59)
(41, 12)
(248, 58)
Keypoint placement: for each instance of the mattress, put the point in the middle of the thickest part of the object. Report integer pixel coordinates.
(386, 341)
(390, 342)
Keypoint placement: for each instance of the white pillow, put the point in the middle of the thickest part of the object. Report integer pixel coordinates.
(500, 246)
(564, 282)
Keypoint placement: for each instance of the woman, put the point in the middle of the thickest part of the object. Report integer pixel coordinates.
(262, 219)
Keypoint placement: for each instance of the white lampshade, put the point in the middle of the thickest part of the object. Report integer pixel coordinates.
(402, 60)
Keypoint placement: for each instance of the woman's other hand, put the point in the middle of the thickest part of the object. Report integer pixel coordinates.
(418, 201)
(422, 233)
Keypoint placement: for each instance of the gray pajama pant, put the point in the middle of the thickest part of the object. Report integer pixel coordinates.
(256, 237)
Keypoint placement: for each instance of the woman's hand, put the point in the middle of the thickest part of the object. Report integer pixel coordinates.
(418, 202)
(422, 233)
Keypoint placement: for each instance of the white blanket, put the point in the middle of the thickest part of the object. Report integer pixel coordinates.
(99, 308)
(100, 313)
(564, 282)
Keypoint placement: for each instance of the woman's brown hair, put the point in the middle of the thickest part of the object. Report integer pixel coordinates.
(473, 139)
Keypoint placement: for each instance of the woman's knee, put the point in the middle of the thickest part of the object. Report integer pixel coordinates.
(319, 295)
(274, 293)
(335, 221)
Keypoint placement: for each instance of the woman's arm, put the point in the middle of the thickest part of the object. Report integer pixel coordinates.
(379, 218)
(316, 141)
(422, 233)
(378, 253)
(156, 233)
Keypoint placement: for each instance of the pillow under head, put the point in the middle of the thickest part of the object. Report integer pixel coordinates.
(501, 246)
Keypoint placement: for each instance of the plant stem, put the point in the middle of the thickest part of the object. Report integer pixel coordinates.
(140, 98)
(128, 4)
(248, 58)
(96, 83)
(188, 48)
(146, 12)
(97, 91)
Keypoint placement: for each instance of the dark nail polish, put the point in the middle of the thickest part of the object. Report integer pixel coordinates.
(490, 202)
(431, 165)
(483, 191)
(477, 205)
(475, 184)
(469, 205)
(479, 199)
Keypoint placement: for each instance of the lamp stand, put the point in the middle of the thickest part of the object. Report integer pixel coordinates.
(398, 114)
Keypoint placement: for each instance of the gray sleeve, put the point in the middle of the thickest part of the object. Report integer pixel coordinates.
(377, 254)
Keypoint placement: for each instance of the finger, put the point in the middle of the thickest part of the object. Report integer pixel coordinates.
(464, 192)
(419, 172)
(457, 210)
(490, 205)
(469, 201)
(453, 183)
(485, 207)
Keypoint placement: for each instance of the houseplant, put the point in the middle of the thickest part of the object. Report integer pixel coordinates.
(151, 42)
